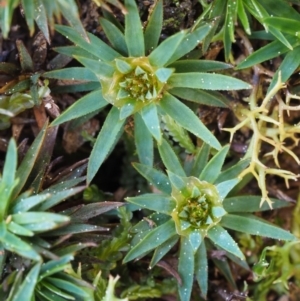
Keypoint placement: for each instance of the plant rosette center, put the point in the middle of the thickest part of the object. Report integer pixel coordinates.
(198, 207)
(135, 82)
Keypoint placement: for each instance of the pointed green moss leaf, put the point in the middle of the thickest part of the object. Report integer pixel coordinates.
(201, 269)
(41, 19)
(19, 230)
(213, 168)
(72, 73)
(14, 244)
(155, 177)
(76, 229)
(232, 172)
(143, 141)
(251, 224)
(179, 183)
(156, 202)
(38, 217)
(58, 197)
(74, 50)
(162, 54)
(101, 69)
(206, 81)
(25, 58)
(154, 27)
(162, 250)
(187, 119)
(186, 266)
(249, 203)
(91, 102)
(152, 240)
(114, 35)
(134, 36)
(223, 266)
(195, 239)
(267, 52)
(89, 211)
(221, 238)
(26, 289)
(190, 41)
(96, 47)
(150, 117)
(110, 290)
(105, 141)
(127, 109)
(225, 187)
(163, 74)
(284, 24)
(10, 166)
(123, 66)
(54, 266)
(204, 97)
(170, 159)
(288, 66)
(200, 160)
(241, 12)
(70, 287)
(199, 66)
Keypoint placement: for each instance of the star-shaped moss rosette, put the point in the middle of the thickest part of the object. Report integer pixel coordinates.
(141, 78)
(193, 208)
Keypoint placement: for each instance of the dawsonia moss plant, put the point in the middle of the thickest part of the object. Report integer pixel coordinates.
(193, 207)
(141, 78)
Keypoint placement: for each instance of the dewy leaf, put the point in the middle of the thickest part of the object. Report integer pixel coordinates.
(72, 73)
(267, 52)
(232, 172)
(200, 160)
(170, 159)
(162, 250)
(225, 187)
(152, 240)
(201, 269)
(214, 166)
(199, 66)
(221, 238)
(114, 35)
(101, 69)
(143, 141)
(26, 289)
(195, 239)
(109, 293)
(288, 66)
(191, 40)
(251, 224)
(111, 129)
(206, 81)
(134, 36)
(249, 203)
(156, 202)
(54, 266)
(284, 24)
(25, 58)
(91, 102)
(8, 182)
(155, 177)
(41, 20)
(154, 26)
(187, 119)
(186, 269)
(150, 117)
(95, 47)
(29, 161)
(161, 54)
